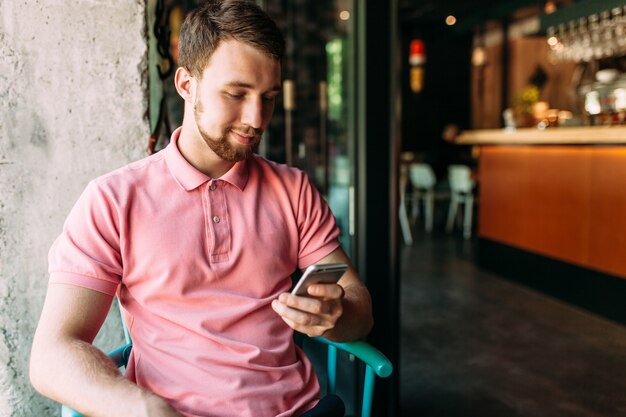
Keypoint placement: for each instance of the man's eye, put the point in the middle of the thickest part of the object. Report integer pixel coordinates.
(234, 96)
(269, 98)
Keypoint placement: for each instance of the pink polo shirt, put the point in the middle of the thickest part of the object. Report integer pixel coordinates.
(196, 263)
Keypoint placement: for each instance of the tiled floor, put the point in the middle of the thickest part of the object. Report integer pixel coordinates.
(475, 344)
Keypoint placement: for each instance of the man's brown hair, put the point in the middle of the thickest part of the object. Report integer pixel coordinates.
(219, 20)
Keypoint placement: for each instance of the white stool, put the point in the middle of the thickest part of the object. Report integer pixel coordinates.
(461, 192)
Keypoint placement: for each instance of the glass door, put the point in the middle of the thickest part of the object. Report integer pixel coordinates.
(313, 125)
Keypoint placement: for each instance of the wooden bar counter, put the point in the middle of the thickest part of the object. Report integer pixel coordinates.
(558, 192)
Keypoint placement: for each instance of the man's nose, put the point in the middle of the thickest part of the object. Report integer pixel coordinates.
(253, 113)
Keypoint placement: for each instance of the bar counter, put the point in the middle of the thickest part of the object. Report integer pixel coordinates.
(548, 136)
(555, 193)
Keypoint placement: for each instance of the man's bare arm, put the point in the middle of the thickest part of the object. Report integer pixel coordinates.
(67, 368)
(339, 312)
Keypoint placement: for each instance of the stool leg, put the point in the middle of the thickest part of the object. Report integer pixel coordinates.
(429, 202)
(452, 212)
(415, 206)
(467, 220)
(402, 215)
(404, 225)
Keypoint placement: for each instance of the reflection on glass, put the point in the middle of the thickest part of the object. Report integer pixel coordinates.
(320, 63)
(334, 55)
(339, 172)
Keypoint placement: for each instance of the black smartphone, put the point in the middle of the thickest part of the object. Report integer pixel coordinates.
(319, 273)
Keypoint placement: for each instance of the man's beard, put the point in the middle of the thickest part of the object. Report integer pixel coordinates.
(221, 145)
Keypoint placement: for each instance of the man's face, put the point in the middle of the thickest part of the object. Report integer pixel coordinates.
(234, 99)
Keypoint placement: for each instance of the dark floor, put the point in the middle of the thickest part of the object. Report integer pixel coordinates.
(475, 344)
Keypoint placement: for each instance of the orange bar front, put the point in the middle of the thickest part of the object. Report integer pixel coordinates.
(564, 202)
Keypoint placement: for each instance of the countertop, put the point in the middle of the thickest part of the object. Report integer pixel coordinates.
(597, 135)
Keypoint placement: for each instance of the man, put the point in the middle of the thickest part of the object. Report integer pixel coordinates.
(199, 242)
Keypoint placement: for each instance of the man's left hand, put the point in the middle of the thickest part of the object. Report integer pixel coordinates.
(314, 314)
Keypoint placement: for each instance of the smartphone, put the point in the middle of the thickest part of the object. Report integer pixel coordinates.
(319, 273)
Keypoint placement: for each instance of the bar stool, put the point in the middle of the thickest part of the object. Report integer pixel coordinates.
(423, 180)
(461, 192)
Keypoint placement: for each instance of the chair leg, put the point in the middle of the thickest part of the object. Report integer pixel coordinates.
(467, 217)
(415, 206)
(452, 212)
(404, 225)
(402, 215)
(429, 209)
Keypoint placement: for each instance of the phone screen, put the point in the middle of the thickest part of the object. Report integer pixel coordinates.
(319, 273)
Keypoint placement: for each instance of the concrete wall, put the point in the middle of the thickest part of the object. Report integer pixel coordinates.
(73, 100)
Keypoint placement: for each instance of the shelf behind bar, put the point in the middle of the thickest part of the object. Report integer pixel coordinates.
(599, 135)
(577, 10)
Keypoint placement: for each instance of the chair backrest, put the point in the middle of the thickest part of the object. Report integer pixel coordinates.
(460, 178)
(376, 364)
(422, 176)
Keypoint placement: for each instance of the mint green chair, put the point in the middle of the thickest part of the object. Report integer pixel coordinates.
(376, 364)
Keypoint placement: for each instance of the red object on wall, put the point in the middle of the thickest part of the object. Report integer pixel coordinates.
(417, 52)
(417, 58)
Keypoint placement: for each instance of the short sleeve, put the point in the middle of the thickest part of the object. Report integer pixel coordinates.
(87, 253)
(316, 225)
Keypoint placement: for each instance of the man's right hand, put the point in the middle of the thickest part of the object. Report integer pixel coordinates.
(67, 368)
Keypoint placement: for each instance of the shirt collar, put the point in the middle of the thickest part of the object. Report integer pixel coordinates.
(237, 175)
(190, 178)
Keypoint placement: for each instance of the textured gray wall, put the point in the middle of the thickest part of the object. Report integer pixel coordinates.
(73, 97)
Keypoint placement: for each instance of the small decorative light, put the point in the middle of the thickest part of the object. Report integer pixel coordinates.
(344, 15)
(549, 7)
(479, 56)
(450, 20)
(552, 41)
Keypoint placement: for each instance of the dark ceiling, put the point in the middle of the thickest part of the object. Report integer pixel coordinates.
(468, 12)
(430, 10)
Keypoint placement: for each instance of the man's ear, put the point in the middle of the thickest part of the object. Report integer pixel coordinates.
(185, 84)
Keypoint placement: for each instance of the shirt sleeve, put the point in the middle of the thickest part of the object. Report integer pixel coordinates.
(87, 253)
(317, 226)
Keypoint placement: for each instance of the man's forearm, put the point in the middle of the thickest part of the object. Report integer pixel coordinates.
(81, 376)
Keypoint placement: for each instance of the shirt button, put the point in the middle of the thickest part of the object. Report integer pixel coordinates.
(212, 187)
(216, 219)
